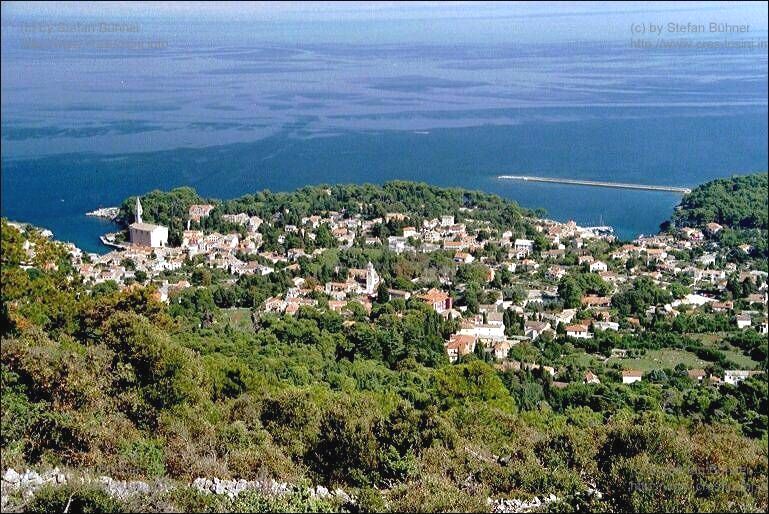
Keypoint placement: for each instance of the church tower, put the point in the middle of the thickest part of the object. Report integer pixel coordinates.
(372, 279)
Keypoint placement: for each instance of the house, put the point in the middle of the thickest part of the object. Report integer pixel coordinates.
(447, 220)
(692, 234)
(743, 321)
(523, 247)
(605, 325)
(410, 232)
(437, 299)
(598, 266)
(491, 329)
(722, 306)
(735, 376)
(630, 376)
(459, 345)
(254, 222)
(534, 329)
(655, 254)
(591, 378)
(549, 370)
(237, 219)
(578, 331)
(398, 244)
(502, 349)
(697, 374)
(454, 245)
(707, 259)
(463, 258)
(565, 316)
(198, 211)
(556, 272)
(396, 294)
(595, 301)
(713, 228)
(533, 296)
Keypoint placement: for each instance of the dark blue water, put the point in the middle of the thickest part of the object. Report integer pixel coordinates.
(231, 109)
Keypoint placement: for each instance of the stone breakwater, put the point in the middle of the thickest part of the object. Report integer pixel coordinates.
(26, 484)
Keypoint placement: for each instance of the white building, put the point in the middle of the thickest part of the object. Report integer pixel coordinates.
(372, 279)
(523, 246)
(598, 266)
(605, 325)
(734, 376)
(630, 376)
(578, 331)
(398, 244)
(147, 234)
(491, 330)
(743, 321)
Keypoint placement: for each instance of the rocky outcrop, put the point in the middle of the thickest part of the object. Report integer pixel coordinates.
(515, 505)
(28, 482)
(123, 489)
(536, 504)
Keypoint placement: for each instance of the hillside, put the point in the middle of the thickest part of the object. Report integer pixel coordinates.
(275, 361)
(733, 212)
(738, 202)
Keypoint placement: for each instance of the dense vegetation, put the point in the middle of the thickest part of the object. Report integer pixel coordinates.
(739, 205)
(121, 384)
(736, 202)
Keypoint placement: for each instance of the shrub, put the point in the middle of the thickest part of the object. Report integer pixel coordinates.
(297, 501)
(146, 456)
(73, 500)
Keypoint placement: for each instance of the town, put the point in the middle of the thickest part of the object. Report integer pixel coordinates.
(528, 298)
(411, 328)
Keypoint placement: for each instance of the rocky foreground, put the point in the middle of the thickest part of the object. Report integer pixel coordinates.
(19, 489)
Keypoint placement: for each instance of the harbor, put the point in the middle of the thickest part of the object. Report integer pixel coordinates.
(594, 183)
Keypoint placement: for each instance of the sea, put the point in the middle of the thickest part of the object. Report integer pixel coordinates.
(234, 107)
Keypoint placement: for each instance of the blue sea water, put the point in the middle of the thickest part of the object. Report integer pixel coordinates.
(231, 109)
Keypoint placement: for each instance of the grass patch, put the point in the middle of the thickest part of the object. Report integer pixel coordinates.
(239, 318)
(740, 359)
(659, 359)
(716, 341)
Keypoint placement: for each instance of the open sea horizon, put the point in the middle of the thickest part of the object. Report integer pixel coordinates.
(235, 109)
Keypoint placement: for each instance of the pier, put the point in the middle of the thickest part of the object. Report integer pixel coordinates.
(108, 240)
(105, 212)
(594, 183)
